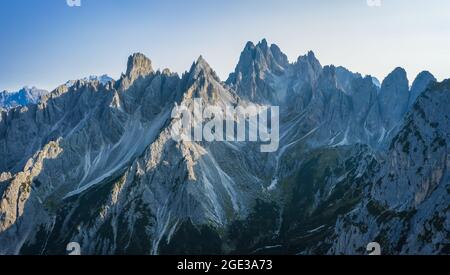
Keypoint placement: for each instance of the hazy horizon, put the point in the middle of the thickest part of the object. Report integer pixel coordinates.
(46, 43)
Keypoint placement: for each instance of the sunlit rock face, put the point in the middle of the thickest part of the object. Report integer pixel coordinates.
(94, 162)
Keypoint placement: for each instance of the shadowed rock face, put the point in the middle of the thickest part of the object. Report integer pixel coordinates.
(419, 85)
(394, 97)
(94, 162)
(405, 206)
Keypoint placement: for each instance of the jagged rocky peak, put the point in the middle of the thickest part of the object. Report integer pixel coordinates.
(341, 78)
(202, 82)
(272, 54)
(259, 58)
(259, 68)
(364, 84)
(420, 84)
(279, 56)
(327, 78)
(202, 68)
(394, 97)
(397, 76)
(363, 96)
(308, 68)
(138, 65)
(310, 60)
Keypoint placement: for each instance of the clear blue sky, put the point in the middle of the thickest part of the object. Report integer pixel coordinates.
(45, 42)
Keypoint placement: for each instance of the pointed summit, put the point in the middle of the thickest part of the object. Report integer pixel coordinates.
(202, 82)
(419, 85)
(311, 54)
(138, 65)
(310, 58)
(201, 61)
(394, 96)
(256, 70)
(344, 79)
(249, 46)
(202, 67)
(279, 56)
(327, 78)
(308, 68)
(259, 59)
(398, 74)
(395, 82)
(263, 46)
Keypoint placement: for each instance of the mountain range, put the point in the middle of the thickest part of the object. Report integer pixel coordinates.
(359, 161)
(33, 95)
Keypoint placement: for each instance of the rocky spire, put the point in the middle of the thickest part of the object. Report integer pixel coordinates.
(138, 65)
(202, 82)
(259, 59)
(307, 68)
(257, 66)
(394, 96)
(419, 85)
(310, 59)
(201, 66)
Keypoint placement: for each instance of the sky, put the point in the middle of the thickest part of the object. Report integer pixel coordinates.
(45, 43)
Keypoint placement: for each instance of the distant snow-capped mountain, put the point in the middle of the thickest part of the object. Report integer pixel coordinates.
(103, 79)
(22, 97)
(33, 95)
